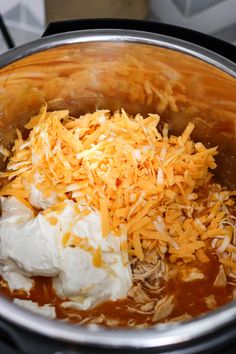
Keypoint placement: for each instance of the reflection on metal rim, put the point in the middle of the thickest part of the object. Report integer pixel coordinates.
(117, 35)
(156, 337)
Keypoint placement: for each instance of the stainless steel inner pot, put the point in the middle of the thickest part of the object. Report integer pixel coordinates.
(91, 69)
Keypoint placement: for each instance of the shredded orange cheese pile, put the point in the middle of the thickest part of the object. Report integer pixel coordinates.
(141, 180)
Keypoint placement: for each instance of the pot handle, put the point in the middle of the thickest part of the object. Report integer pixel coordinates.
(214, 44)
(6, 34)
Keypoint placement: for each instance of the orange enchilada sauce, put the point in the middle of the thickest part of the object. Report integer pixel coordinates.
(189, 298)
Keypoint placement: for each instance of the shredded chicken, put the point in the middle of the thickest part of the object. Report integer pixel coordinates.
(211, 302)
(184, 317)
(138, 294)
(145, 271)
(136, 310)
(111, 322)
(220, 279)
(98, 320)
(191, 274)
(163, 308)
(148, 307)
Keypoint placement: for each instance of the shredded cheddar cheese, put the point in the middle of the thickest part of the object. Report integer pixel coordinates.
(4, 151)
(139, 178)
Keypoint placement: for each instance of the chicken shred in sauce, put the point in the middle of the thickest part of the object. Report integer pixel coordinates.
(173, 300)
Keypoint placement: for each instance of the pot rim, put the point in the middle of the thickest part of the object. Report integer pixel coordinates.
(119, 35)
(160, 335)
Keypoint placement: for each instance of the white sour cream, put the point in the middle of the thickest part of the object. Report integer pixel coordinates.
(32, 246)
(45, 310)
(39, 201)
(82, 282)
(28, 241)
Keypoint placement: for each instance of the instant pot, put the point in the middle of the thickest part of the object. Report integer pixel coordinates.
(89, 64)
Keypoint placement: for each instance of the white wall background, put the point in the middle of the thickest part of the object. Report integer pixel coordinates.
(216, 17)
(25, 20)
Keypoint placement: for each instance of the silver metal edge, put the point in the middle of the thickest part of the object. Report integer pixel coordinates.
(160, 335)
(118, 35)
(155, 337)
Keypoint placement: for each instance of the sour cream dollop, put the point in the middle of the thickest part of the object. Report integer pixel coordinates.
(32, 245)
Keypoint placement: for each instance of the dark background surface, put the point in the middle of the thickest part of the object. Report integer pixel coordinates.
(14, 340)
